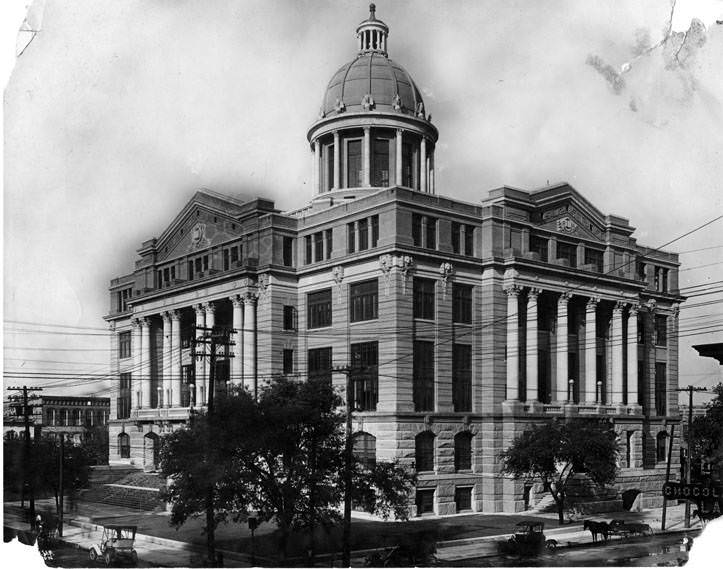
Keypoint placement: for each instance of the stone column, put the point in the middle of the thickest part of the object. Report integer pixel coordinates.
(513, 344)
(200, 363)
(633, 354)
(398, 169)
(423, 165)
(317, 166)
(165, 400)
(561, 374)
(137, 364)
(617, 353)
(590, 386)
(249, 342)
(237, 339)
(533, 385)
(366, 170)
(145, 363)
(210, 309)
(176, 372)
(337, 154)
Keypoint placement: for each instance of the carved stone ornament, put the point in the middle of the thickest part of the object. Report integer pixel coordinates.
(634, 309)
(675, 310)
(405, 264)
(512, 289)
(566, 225)
(564, 297)
(651, 305)
(339, 106)
(198, 236)
(367, 102)
(338, 274)
(592, 302)
(397, 102)
(445, 271)
(263, 286)
(420, 110)
(386, 262)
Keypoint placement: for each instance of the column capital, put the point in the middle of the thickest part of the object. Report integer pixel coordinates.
(675, 310)
(236, 300)
(592, 302)
(513, 290)
(166, 317)
(619, 306)
(144, 322)
(336, 134)
(199, 310)
(136, 323)
(651, 305)
(175, 315)
(209, 307)
(533, 293)
(250, 297)
(634, 308)
(367, 128)
(399, 131)
(564, 297)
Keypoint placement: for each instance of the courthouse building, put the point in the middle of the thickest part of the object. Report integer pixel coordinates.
(463, 323)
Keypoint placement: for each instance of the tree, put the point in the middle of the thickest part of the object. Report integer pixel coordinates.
(281, 456)
(556, 450)
(707, 431)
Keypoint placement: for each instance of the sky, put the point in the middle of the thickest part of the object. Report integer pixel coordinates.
(116, 112)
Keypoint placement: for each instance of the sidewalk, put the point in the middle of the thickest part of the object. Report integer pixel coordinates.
(458, 537)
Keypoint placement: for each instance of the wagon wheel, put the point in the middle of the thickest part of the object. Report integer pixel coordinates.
(107, 557)
(92, 555)
(551, 544)
(134, 557)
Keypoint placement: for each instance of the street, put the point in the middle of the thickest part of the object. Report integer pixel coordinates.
(635, 552)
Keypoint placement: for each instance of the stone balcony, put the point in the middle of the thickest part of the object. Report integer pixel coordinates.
(161, 414)
(561, 409)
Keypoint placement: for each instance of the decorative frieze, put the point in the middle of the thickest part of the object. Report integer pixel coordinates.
(445, 272)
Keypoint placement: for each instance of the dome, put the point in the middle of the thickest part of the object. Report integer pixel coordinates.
(372, 73)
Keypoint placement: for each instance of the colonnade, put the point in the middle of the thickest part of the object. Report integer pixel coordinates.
(243, 369)
(623, 315)
(425, 167)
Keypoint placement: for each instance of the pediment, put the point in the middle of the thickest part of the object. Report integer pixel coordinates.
(196, 229)
(570, 217)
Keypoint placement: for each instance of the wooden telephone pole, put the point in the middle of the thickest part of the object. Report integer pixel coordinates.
(690, 389)
(213, 338)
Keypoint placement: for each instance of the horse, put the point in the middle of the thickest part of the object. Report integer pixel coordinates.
(596, 528)
(705, 517)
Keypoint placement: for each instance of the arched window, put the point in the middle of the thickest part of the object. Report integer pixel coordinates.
(424, 451)
(660, 451)
(124, 445)
(463, 451)
(365, 449)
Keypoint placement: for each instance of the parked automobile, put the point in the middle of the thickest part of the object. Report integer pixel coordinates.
(116, 544)
(527, 540)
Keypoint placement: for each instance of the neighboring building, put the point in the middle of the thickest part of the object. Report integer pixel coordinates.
(470, 321)
(77, 419)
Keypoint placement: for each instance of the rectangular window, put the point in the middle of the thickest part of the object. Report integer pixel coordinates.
(594, 257)
(469, 240)
(375, 230)
(288, 252)
(190, 270)
(329, 171)
(423, 381)
(307, 250)
(289, 318)
(568, 252)
(424, 298)
(365, 375)
(187, 372)
(351, 237)
(456, 233)
(417, 229)
(661, 330)
(288, 361)
(226, 260)
(363, 300)
(463, 499)
(124, 345)
(363, 226)
(640, 270)
(380, 163)
(462, 377)
(660, 388)
(318, 246)
(425, 502)
(629, 448)
(664, 281)
(328, 243)
(431, 233)
(354, 164)
(319, 363)
(205, 262)
(462, 303)
(319, 309)
(407, 165)
(539, 245)
(123, 410)
(656, 278)
(235, 254)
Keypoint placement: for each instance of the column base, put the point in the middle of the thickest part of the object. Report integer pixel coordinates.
(570, 409)
(536, 406)
(511, 407)
(635, 409)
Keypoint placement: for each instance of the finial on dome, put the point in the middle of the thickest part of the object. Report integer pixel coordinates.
(372, 10)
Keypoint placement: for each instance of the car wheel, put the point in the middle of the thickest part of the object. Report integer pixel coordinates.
(551, 545)
(92, 555)
(134, 557)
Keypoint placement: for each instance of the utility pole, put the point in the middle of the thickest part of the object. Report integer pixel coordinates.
(212, 337)
(690, 389)
(667, 474)
(348, 456)
(60, 484)
(26, 413)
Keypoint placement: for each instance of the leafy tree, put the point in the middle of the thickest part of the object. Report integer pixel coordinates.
(556, 450)
(707, 431)
(282, 456)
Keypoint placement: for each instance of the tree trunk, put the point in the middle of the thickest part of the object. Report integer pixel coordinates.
(210, 528)
(561, 512)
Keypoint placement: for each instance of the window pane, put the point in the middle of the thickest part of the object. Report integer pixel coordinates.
(469, 240)
(456, 231)
(463, 499)
(423, 379)
(463, 451)
(318, 246)
(417, 229)
(354, 163)
(568, 252)
(288, 361)
(462, 303)
(660, 388)
(380, 162)
(462, 377)
(424, 452)
(363, 300)
(365, 449)
(365, 359)
(319, 309)
(431, 233)
(350, 237)
(424, 299)
(363, 234)
(375, 230)
(319, 363)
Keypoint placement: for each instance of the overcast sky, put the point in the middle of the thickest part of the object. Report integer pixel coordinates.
(117, 111)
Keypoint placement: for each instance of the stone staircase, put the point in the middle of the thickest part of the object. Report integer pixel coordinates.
(126, 487)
